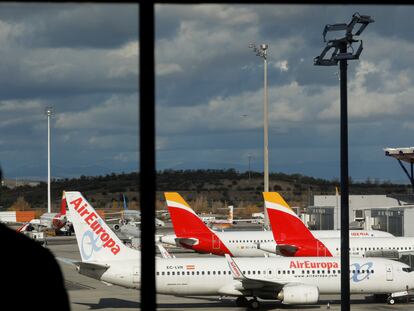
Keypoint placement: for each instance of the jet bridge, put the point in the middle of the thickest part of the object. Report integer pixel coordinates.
(403, 155)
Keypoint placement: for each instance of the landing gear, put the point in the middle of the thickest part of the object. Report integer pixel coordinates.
(241, 301)
(390, 300)
(254, 304)
(380, 297)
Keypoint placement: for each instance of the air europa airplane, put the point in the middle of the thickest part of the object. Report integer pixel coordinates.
(293, 238)
(192, 233)
(289, 280)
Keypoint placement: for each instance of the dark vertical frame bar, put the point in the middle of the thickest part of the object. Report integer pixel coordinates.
(345, 286)
(147, 152)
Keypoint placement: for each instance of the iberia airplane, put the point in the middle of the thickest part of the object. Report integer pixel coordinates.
(192, 233)
(54, 221)
(289, 280)
(293, 238)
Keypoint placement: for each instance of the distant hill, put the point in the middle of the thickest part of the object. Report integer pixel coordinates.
(207, 190)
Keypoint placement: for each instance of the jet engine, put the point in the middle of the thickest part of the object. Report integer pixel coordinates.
(116, 227)
(299, 294)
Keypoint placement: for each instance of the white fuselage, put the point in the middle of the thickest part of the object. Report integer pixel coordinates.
(360, 247)
(245, 243)
(212, 276)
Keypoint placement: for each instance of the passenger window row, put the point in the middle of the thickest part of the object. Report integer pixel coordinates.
(250, 241)
(223, 272)
(379, 248)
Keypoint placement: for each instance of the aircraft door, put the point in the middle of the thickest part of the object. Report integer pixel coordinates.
(216, 242)
(389, 273)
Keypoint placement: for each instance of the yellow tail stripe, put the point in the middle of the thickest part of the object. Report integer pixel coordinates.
(175, 197)
(275, 197)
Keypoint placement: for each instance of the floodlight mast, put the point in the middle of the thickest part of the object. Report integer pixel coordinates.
(340, 54)
(262, 52)
(49, 113)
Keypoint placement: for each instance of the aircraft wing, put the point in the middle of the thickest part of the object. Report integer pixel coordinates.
(248, 283)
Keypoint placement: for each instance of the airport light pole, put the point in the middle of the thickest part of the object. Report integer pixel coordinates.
(249, 157)
(261, 51)
(1, 182)
(49, 113)
(340, 54)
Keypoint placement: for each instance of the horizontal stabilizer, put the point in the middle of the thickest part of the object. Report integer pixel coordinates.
(286, 250)
(186, 241)
(91, 266)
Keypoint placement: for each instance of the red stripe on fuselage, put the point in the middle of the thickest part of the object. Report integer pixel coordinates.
(290, 230)
(189, 225)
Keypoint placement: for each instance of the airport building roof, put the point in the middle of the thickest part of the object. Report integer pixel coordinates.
(406, 155)
(403, 154)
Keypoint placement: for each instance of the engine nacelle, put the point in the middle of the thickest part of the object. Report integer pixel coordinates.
(299, 294)
(116, 227)
(270, 247)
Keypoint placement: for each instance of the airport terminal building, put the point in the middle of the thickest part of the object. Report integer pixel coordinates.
(369, 212)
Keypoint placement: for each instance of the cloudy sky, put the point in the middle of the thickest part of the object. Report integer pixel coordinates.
(83, 60)
(210, 89)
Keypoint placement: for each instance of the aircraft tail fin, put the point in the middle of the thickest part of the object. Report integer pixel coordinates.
(286, 225)
(185, 221)
(96, 241)
(63, 204)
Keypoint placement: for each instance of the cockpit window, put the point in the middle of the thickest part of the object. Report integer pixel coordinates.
(407, 269)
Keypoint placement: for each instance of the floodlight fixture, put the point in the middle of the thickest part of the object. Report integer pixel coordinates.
(49, 111)
(260, 51)
(340, 46)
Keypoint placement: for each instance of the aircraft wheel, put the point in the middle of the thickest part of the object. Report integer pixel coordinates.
(241, 301)
(254, 304)
(390, 300)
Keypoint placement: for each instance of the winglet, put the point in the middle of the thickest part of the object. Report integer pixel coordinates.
(164, 253)
(234, 268)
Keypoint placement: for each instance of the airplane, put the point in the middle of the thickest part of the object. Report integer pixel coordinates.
(293, 238)
(54, 221)
(289, 280)
(222, 223)
(192, 233)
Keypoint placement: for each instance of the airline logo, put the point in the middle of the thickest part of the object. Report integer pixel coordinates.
(190, 267)
(361, 272)
(296, 264)
(234, 269)
(91, 219)
(359, 234)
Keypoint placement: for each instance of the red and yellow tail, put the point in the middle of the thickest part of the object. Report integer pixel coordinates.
(185, 221)
(289, 232)
(188, 225)
(286, 225)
